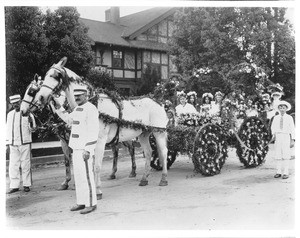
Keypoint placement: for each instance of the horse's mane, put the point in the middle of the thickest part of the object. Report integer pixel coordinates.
(70, 77)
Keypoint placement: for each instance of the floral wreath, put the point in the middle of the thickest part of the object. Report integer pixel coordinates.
(181, 94)
(219, 93)
(207, 95)
(192, 93)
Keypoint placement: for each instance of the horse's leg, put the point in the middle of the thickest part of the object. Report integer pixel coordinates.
(144, 140)
(131, 149)
(99, 152)
(67, 155)
(161, 142)
(115, 150)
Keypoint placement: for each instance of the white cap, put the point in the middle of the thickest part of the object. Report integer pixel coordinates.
(80, 89)
(15, 98)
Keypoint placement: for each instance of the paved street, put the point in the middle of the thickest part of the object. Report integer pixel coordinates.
(238, 198)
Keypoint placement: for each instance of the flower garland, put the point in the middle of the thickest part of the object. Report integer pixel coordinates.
(255, 134)
(107, 119)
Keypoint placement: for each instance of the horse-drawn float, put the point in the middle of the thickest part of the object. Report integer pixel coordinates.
(206, 139)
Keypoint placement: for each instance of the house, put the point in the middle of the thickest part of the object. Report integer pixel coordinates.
(133, 46)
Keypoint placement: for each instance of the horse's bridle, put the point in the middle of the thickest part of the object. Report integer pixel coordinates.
(32, 92)
(57, 88)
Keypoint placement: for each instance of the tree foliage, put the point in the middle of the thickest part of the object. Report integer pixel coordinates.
(26, 44)
(35, 41)
(221, 38)
(100, 79)
(67, 37)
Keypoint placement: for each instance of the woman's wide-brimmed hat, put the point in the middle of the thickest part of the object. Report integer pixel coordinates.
(285, 103)
(276, 94)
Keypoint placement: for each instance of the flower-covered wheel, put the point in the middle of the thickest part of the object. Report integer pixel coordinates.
(155, 163)
(255, 135)
(210, 150)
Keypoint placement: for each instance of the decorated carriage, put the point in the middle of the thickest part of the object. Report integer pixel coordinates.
(206, 139)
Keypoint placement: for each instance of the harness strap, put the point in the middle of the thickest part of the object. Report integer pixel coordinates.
(116, 138)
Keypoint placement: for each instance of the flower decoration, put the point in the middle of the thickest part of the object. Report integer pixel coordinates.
(181, 94)
(192, 93)
(219, 93)
(210, 150)
(208, 95)
(255, 135)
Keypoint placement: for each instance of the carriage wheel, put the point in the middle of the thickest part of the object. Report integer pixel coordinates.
(255, 135)
(155, 163)
(210, 150)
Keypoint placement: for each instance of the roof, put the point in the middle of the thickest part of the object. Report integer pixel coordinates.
(130, 27)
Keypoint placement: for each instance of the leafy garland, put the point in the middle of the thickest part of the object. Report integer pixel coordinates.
(107, 119)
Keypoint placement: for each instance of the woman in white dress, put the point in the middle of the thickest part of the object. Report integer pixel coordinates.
(216, 105)
(206, 106)
(184, 107)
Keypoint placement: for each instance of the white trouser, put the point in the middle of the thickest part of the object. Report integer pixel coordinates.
(19, 157)
(84, 179)
(283, 152)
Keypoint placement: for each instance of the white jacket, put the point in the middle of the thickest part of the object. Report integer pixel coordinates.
(18, 129)
(85, 126)
(288, 125)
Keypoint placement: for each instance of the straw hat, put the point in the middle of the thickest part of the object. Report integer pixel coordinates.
(285, 103)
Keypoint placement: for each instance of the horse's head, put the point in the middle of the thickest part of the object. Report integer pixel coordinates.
(29, 96)
(52, 84)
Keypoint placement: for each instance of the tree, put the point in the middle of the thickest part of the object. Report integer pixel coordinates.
(100, 79)
(34, 41)
(219, 39)
(67, 37)
(26, 44)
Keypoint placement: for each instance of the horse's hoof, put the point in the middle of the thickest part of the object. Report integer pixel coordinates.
(63, 187)
(163, 183)
(99, 196)
(143, 183)
(132, 175)
(112, 176)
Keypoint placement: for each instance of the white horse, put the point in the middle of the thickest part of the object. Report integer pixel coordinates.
(124, 120)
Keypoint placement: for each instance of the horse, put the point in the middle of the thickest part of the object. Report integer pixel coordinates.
(63, 134)
(119, 120)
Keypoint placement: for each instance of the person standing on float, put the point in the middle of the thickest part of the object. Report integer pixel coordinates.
(84, 134)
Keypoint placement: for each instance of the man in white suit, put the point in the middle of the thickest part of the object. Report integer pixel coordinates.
(84, 134)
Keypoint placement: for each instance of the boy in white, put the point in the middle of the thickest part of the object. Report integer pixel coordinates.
(84, 134)
(283, 131)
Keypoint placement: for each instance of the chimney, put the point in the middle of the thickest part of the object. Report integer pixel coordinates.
(113, 15)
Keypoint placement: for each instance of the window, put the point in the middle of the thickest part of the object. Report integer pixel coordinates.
(117, 60)
(99, 56)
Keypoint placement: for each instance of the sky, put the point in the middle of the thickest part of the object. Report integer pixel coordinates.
(98, 12)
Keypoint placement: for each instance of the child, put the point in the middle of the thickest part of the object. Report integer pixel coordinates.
(283, 132)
